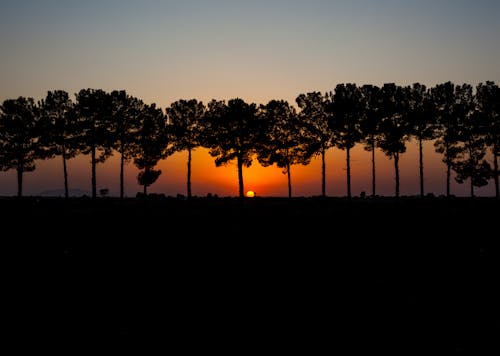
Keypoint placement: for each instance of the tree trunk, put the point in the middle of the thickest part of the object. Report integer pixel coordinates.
(473, 164)
(20, 171)
(146, 171)
(189, 174)
(373, 169)
(122, 165)
(396, 171)
(240, 178)
(323, 173)
(65, 170)
(495, 176)
(289, 180)
(421, 166)
(94, 184)
(448, 175)
(448, 168)
(348, 159)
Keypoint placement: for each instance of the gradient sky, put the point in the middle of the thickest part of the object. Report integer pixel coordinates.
(162, 51)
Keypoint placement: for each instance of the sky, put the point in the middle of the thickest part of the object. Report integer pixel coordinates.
(162, 51)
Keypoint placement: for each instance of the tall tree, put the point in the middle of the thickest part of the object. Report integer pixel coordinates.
(60, 129)
(232, 131)
(488, 104)
(423, 125)
(19, 137)
(346, 122)
(94, 110)
(469, 163)
(125, 112)
(370, 122)
(151, 145)
(185, 118)
(315, 114)
(443, 96)
(394, 126)
(284, 143)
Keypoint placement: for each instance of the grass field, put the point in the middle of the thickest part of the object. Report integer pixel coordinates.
(406, 276)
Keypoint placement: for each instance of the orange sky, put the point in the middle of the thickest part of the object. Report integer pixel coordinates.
(265, 181)
(162, 51)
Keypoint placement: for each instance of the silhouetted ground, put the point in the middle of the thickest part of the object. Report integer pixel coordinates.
(408, 276)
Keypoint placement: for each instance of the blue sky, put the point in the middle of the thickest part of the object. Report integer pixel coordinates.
(163, 50)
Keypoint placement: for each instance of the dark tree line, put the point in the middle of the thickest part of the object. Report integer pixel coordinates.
(463, 122)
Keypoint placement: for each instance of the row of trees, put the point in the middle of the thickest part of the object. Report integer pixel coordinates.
(463, 121)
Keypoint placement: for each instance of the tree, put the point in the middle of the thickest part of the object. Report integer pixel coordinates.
(59, 124)
(94, 109)
(147, 177)
(125, 113)
(394, 126)
(346, 121)
(472, 168)
(232, 132)
(284, 144)
(187, 128)
(315, 111)
(443, 96)
(423, 124)
(488, 104)
(151, 145)
(370, 122)
(469, 163)
(19, 137)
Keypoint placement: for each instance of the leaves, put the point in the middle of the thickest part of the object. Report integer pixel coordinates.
(148, 176)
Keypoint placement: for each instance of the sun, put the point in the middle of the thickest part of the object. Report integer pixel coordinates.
(250, 194)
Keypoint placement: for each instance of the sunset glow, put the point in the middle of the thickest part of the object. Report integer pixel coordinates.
(161, 51)
(236, 171)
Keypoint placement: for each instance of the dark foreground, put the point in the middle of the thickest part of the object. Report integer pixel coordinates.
(406, 277)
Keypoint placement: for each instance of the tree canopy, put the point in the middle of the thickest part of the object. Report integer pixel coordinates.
(462, 122)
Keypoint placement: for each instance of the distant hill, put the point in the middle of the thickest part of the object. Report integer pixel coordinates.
(60, 193)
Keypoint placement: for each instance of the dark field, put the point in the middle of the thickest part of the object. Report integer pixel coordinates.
(265, 275)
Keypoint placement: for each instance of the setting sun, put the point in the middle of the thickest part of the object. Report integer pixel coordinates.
(250, 194)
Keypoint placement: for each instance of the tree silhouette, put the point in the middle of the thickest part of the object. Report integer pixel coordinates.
(472, 168)
(125, 112)
(151, 145)
(447, 144)
(148, 176)
(18, 137)
(394, 126)
(422, 121)
(466, 127)
(232, 130)
(187, 128)
(94, 108)
(315, 114)
(488, 104)
(347, 111)
(469, 163)
(370, 122)
(59, 125)
(284, 140)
